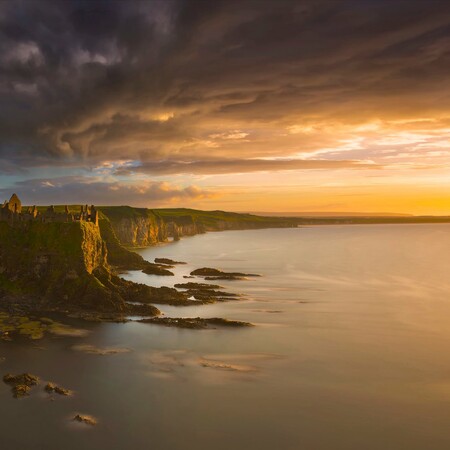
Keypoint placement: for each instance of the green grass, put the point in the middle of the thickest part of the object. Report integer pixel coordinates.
(210, 219)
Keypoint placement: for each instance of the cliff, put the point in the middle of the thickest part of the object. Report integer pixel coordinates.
(61, 266)
(137, 227)
(65, 266)
(54, 262)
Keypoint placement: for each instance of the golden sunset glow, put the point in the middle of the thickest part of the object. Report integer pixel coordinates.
(312, 116)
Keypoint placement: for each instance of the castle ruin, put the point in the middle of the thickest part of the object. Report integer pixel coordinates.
(12, 212)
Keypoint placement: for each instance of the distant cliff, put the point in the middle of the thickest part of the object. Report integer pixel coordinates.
(143, 227)
(137, 227)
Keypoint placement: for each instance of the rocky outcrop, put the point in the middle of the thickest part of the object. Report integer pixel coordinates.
(63, 266)
(137, 227)
(195, 323)
(215, 274)
(142, 227)
(139, 231)
(183, 225)
(54, 263)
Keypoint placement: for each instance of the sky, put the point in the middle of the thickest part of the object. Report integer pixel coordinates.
(243, 105)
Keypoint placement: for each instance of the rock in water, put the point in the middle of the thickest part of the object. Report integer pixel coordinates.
(195, 323)
(20, 390)
(21, 384)
(25, 378)
(54, 388)
(215, 274)
(83, 418)
(167, 261)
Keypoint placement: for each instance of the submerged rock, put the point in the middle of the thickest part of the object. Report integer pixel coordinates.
(84, 418)
(34, 328)
(93, 350)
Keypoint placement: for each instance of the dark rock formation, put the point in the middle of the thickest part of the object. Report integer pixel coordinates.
(196, 323)
(156, 269)
(193, 285)
(167, 261)
(215, 274)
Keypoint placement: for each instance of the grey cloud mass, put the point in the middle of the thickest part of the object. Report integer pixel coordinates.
(194, 87)
(166, 83)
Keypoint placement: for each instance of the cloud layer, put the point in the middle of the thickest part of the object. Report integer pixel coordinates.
(69, 190)
(196, 87)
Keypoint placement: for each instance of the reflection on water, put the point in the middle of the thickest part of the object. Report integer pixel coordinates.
(349, 352)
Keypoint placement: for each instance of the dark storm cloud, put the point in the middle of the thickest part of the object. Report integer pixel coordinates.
(82, 82)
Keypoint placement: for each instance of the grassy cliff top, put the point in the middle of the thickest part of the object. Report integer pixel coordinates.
(176, 214)
(210, 218)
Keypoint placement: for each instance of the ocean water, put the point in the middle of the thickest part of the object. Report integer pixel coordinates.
(350, 351)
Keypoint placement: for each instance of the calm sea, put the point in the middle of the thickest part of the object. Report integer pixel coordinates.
(350, 351)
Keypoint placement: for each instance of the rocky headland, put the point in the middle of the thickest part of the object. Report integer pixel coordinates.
(74, 266)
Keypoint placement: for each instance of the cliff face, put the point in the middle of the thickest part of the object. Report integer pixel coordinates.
(118, 255)
(139, 231)
(183, 225)
(55, 264)
(93, 248)
(46, 247)
(136, 227)
(141, 227)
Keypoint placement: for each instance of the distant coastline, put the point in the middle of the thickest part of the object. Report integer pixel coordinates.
(326, 214)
